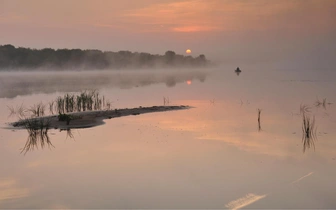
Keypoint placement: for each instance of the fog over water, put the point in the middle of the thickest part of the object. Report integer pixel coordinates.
(14, 84)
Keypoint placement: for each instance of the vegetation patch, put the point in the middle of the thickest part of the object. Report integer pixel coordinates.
(65, 117)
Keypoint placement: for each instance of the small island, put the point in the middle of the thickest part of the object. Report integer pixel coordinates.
(86, 119)
(83, 110)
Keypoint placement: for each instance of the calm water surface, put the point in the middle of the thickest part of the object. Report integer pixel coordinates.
(214, 155)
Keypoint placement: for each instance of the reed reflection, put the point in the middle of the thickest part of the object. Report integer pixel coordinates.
(308, 128)
(308, 132)
(238, 71)
(69, 134)
(322, 103)
(37, 135)
(259, 125)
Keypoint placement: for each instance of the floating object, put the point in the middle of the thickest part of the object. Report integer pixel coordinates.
(238, 71)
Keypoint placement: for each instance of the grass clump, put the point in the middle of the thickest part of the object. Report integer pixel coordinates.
(322, 103)
(85, 101)
(65, 117)
(37, 110)
(165, 101)
(19, 111)
(51, 107)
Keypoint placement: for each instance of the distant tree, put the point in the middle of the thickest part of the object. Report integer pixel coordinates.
(62, 59)
(201, 60)
(8, 47)
(170, 56)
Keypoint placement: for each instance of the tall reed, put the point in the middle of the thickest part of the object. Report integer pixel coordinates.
(308, 132)
(37, 110)
(322, 103)
(85, 101)
(51, 107)
(259, 113)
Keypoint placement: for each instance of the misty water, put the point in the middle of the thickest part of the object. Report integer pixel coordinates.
(214, 155)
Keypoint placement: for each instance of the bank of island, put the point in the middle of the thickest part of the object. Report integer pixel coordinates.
(86, 119)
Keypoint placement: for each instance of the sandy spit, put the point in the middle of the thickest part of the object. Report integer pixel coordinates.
(93, 118)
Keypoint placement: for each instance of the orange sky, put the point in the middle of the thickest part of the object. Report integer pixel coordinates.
(205, 26)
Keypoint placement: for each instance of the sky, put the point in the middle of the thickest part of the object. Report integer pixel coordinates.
(232, 31)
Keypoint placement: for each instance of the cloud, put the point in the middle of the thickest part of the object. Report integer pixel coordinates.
(298, 180)
(13, 18)
(9, 189)
(233, 15)
(244, 201)
(185, 15)
(194, 28)
(174, 16)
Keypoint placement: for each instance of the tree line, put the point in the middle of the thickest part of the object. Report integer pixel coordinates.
(12, 58)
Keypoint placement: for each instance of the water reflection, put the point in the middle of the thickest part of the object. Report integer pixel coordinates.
(37, 137)
(322, 103)
(15, 84)
(209, 129)
(210, 148)
(259, 126)
(10, 190)
(244, 201)
(69, 134)
(308, 132)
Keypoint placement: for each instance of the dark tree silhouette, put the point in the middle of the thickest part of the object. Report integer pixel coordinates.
(12, 58)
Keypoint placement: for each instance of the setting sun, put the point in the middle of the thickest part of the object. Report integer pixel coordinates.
(188, 51)
(189, 82)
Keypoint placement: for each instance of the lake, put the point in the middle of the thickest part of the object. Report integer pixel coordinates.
(214, 155)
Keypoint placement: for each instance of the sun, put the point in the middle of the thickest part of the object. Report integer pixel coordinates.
(188, 51)
(188, 82)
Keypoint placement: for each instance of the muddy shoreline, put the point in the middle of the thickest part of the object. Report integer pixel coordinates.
(92, 118)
